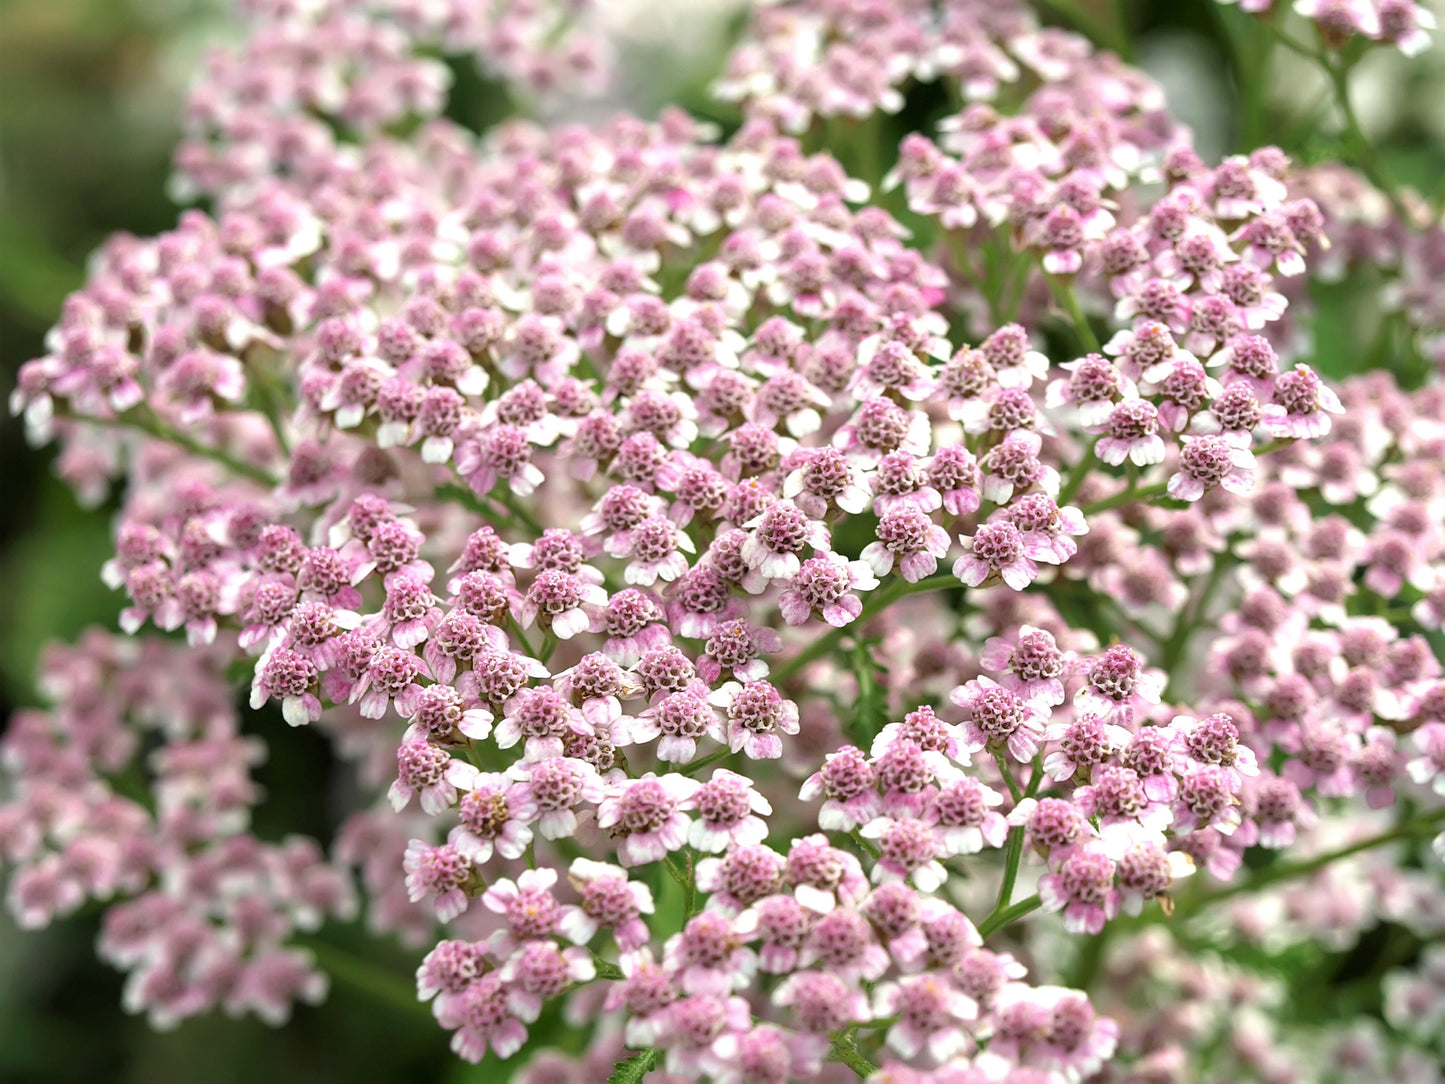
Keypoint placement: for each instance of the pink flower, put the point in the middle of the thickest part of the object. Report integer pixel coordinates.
(1302, 405)
(824, 585)
(999, 719)
(1034, 666)
(540, 971)
(906, 850)
(709, 955)
(290, 677)
(1146, 870)
(656, 548)
(438, 872)
(609, 901)
(1048, 531)
(849, 786)
(931, 1015)
(1209, 461)
(647, 816)
(1083, 888)
(1131, 432)
(494, 815)
(678, 720)
(544, 718)
(964, 818)
(391, 677)
(441, 713)
(771, 551)
(995, 551)
(562, 602)
(757, 718)
(729, 813)
(428, 772)
(1119, 687)
(843, 942)
(483, 1017)
(737, 647)
(909, 536)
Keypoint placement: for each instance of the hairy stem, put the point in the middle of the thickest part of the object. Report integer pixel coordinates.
(845, 1050)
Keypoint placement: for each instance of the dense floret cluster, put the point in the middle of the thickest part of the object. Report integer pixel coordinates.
(741, 609)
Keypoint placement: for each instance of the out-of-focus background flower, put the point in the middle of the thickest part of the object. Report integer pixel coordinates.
(89, 99)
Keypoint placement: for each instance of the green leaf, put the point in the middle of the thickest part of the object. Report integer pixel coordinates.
(633, 1069)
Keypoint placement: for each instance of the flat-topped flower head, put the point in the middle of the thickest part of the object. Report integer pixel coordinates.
(847, 782)
(438, 873)
(679, 413)
(824, 586)
(745, 875)
(1034, 666)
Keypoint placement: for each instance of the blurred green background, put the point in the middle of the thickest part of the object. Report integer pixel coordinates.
(89, 95)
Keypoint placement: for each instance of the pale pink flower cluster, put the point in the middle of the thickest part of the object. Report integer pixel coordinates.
(726, 649)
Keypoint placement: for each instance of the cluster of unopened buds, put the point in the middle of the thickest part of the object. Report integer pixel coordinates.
(734, 648)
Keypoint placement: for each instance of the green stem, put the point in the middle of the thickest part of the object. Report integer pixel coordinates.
(509, 501)
(1369, 162)
(1283, 871)
(1063, 289)
(1080, 974)
(845, 1050)
(1009, 915)
(1129, 496)
(1014, 854)
(386, 986)
(675, 871)
(1111, 35)
(1008, 777)
(1160, 489)
(711, 758)
(1036, 780)
(1187, 620)
(154, 427)
(1086, 463)
(1012, 857)
(879, 600)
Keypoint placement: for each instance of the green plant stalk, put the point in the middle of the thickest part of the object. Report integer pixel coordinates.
(1009, 915)
(154, 427)
(1129, 496)
(1422, 825)
(1063, 289)
(1369, 162)
(1086, 463)
(395, 990)
(879, 600)
(845, 1050)
(1111, 33)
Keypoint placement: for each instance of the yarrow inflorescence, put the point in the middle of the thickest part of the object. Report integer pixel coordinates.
(705, 618)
